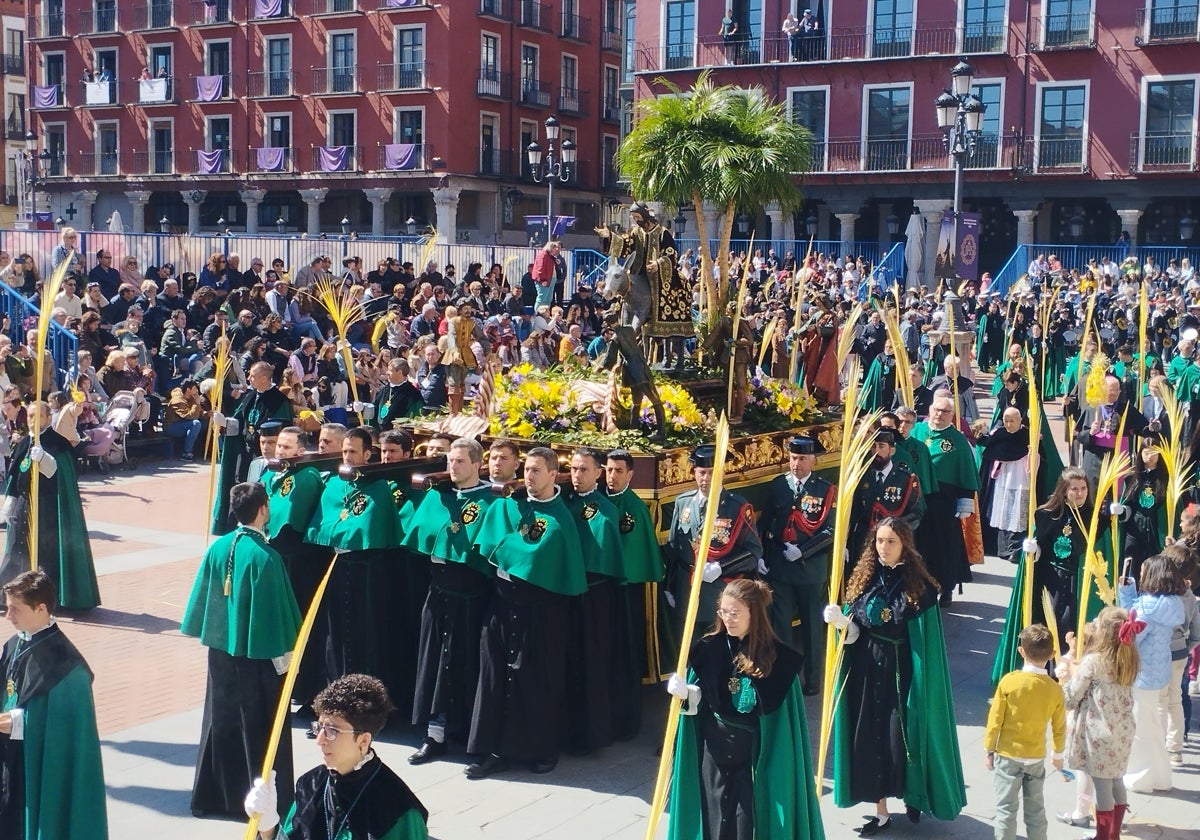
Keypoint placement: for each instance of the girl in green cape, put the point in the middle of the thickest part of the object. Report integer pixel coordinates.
(742, 769)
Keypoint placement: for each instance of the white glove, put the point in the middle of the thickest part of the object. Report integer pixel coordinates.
(670, 599)
(964, 508)
(282, 663)
(368, 411)
(358, 406)
(218, 419)
(6, 511)
(36, 454)
(1117, 509)
(791, 552)
(834, 615)
(677, 686)
(762, 566)
(1030, 546)
(261, 800)
(711, 572)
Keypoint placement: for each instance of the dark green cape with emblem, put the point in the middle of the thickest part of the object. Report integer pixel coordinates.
(447, 524)
(259, 619)
(952, 455)
(596, 517)
(913, 455)
(536, 541)
(355, 515)
(640, 552)
(237, 451)
(53, 780)
(294, 495)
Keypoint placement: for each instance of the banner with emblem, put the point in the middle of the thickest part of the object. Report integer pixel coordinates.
(967, 252)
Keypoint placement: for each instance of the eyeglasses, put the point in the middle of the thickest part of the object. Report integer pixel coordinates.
(330, 731)
(732, 615)
(940, 410)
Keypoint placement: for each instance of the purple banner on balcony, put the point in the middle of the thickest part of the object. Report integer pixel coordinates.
(210, 88)
(400, 156)
(268, 8)
(400, 4)
(45, 96)
(334, 158)
(270, 158)
(209, 163)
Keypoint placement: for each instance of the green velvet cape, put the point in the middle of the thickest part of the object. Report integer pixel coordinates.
(355, 515)
(641, 555)
(535, 541)
(294, 495)
(447, 523)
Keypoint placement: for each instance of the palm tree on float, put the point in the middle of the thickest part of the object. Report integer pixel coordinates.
(725, 145)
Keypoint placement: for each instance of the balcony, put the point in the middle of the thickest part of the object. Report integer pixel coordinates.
(14, 127)
(336, 81)
(49, 96)
(213, 88)
(533, 14)
(215, 13)
(55, 167)
(922, 153)
(331, 8)
(1058, 155)
(272, 83)
(611, 111)
(13, 65)
(99, 22)
(492, 162)
(1167, 25)
(272, 159)
(403, 77)
(154, 162)
(205, 162)
(499, 9)
(401, 157)
(100, 94)
(51, 24)
(610, 39)
(335, 159)
(576, 28)
(572, 101)
(985, 37)
(269, 11)
(160, 14)
(99, 164)
(493, 83)
(535, 93)
(159, 91)
(1064, 32)
(1162, 151)
(400, 5)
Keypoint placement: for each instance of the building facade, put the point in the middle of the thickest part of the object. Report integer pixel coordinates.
(1089, 129)
(297, 114)
(12, 70)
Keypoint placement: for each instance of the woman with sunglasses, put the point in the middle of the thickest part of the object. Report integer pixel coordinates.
(352, 795)
(742, 768)
(893, 726)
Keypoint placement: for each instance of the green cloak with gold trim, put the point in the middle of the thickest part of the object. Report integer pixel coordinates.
(641, 555)
(536, 541)
(293, 495)
(447, 523)
(355, 515)
(596, 517)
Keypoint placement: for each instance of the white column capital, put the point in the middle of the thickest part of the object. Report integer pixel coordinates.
(193, 197)
(445, 202)
(314, 196)
(252, 196)
(86, 196)
(379, 195)
(846, 218)
(138, 196)
(929, 207)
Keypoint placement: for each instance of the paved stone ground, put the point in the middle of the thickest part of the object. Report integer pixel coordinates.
(146, 531)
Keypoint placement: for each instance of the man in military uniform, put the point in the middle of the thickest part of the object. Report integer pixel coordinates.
(910, 454)
(643, 561)
(797, 524)
(239, 443)
(268, 436)
(599, 653)
(888, 489)
(735, 550)
(444, 529)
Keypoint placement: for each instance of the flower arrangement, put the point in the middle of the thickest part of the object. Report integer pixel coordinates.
(686, 423)
(774, 404)
(537, 405)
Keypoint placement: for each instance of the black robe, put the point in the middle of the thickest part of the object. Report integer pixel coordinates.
(371, 800)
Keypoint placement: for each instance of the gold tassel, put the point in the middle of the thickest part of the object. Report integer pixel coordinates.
(228, 584)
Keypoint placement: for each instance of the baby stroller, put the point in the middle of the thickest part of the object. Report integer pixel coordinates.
(106, 447)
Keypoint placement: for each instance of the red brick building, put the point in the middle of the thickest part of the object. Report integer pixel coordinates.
(311, 111)
(1090, 126)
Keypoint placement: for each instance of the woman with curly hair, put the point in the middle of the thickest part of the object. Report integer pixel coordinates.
(353, 795)
(893, 728)
(742, 768)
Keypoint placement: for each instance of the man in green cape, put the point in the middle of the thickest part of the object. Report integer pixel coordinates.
(243, 610)
(879, 386)
(51, 778)
(641, 556)
(520, 707)
(64, 550)
(444, 529)
(911, 454)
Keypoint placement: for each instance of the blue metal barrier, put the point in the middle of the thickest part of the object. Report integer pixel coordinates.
(1078, 257)
(23, 316)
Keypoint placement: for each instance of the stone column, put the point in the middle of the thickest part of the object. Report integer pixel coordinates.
(379, 197)
(885, 237)
(87, 198)
(1129, 223)
(932, 211)
(775, 214)
(252, 198)
(712, 221)
(312, 200)
(846, 238)
(193, 199)
(1026, 220)
(139, 199)
(445, 202)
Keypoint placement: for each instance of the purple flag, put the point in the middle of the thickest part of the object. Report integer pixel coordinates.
(210, 88)
(268, 8)
(400, 4)
(270, 158)
(400, 156)
(45, 96)
(209, 163)
(334, 158)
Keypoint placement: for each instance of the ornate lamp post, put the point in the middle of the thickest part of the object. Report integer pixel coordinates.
(960, 117)
(551, 166)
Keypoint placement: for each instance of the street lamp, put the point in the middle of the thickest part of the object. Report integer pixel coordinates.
(960, 117)
(221, 224)
(31, 156)
(1187, 227)
(410, 225)
(164, 225)
(743, 224)
(893, 224)
(680, 223)
(810, 224)
(551, 166)
(345, 226)
(1076, 223)
(280, 225)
